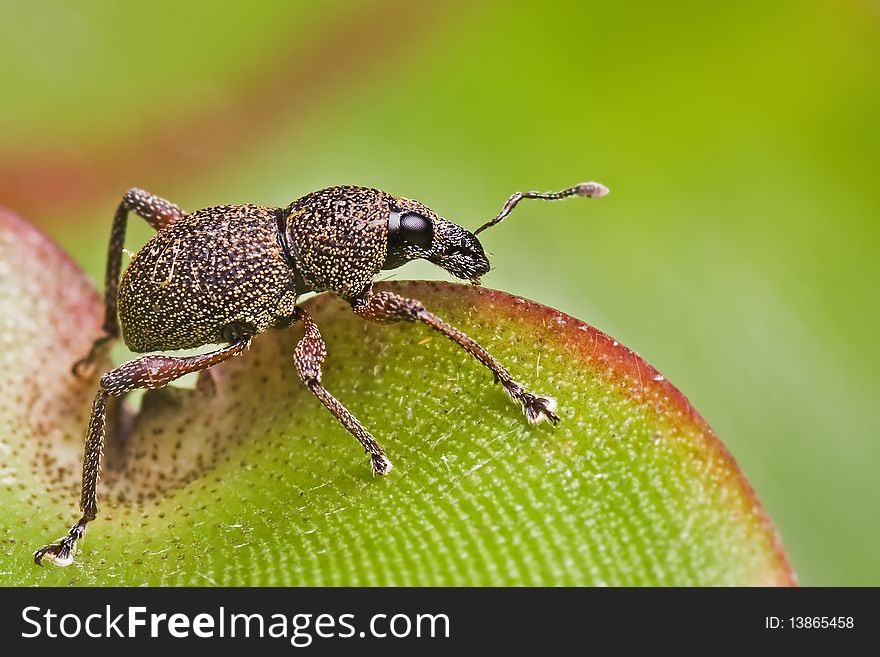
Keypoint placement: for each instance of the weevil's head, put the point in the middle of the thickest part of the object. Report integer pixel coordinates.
(415, 231)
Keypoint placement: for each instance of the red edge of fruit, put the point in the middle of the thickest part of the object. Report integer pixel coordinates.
(601, 352)
(597, 350)
(40, 248)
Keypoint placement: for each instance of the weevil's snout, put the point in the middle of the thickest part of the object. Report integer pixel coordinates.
(458, 251)
(414, 231)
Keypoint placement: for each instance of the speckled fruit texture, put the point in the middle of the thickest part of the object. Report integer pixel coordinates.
(255, 483)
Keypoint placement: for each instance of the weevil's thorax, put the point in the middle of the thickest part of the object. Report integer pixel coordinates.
(337, 238)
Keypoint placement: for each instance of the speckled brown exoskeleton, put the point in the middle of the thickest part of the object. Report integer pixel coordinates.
(225, 274)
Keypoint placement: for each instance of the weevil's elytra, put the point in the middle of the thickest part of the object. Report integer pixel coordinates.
(225, 274)
(230, 271)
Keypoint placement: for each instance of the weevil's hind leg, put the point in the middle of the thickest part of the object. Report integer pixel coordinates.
(144, 372)
(61, 553)
(159, 213)
(308, 356)
(387, 307)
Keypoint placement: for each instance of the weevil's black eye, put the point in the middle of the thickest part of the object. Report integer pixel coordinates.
(412, 228)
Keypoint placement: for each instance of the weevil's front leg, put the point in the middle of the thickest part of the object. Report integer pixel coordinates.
(308, 357)
(387, 307)
(159, 213)
(144, 372)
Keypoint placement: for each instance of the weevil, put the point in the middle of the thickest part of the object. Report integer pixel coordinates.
(224, 274)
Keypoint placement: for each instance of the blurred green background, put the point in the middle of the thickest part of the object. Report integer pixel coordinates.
(737, 252)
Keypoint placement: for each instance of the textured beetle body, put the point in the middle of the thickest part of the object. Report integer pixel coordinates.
(224, 274)
(337, 238)
(212, 272)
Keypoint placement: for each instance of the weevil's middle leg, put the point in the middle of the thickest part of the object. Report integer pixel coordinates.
(387, 307)
(308, 357)
(152, 371)
(159, 213)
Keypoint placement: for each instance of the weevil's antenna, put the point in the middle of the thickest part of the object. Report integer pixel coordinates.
(587, 189)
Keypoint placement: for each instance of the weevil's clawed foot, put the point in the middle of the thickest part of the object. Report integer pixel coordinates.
(85, 367)
(536, 409)
(61, 553)
(205, 384)
(381, 464)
